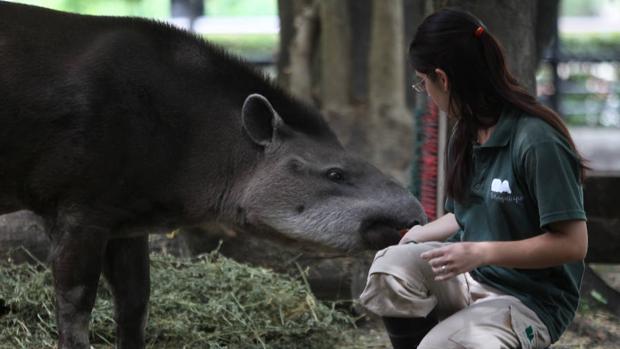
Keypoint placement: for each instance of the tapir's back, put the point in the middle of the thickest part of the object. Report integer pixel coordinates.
(68, 111)
(41, 73)
(29, 51)
(36, 46)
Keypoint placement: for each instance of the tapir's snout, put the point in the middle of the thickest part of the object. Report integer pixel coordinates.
(386, 229)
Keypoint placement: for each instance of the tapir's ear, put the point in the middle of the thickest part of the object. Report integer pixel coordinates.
(259, 119)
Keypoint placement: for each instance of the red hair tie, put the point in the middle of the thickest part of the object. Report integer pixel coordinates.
(478, 31)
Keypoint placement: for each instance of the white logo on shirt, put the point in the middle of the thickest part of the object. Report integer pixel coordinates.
(499, 186)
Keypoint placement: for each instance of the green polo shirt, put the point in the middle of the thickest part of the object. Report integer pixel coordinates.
(524, 177)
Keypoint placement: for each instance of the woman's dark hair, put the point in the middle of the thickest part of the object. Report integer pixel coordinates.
(480, 85)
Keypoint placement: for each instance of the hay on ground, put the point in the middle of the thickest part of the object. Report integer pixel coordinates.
(206, 302)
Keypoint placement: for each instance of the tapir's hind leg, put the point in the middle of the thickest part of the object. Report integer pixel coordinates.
(126, 269)
(76, 266)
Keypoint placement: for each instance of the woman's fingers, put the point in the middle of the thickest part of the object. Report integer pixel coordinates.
(451, 260)
(434, 253)
(442, 266)
(438, 262)
(447, 276)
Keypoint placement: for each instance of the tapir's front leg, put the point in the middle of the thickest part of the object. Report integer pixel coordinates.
(76, 266)
(126, 269)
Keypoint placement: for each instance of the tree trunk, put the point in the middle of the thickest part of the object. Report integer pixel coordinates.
(414, 12)
(336, 63)
(335, 49)
(387, 60)
(286, 15)
(301, 50)
(288, 11)
(391, 123)
(546, 25)
(360, 17)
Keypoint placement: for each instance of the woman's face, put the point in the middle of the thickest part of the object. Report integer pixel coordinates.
(436, 89)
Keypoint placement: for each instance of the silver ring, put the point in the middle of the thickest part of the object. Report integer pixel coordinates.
(443, 268)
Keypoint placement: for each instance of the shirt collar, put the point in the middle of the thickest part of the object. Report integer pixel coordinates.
(504, 128)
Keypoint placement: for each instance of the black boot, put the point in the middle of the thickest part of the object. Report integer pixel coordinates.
(407, 333)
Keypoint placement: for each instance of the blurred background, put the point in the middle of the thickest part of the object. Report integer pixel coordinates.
(348, 58)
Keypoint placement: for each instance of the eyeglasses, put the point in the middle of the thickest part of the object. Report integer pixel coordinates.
(419, 86)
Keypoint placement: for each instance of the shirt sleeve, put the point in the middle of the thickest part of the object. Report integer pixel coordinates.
(552, 172)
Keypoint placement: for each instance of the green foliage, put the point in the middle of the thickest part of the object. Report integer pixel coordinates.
(607, 44)
(241, 7)
(207, 302)
(143, 8)
(598, 297)
(247, 45)
(580, 7)
(158, 8)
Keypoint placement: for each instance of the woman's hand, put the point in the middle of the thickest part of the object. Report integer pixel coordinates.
(454, 259)
(410, 235)
(437, 230)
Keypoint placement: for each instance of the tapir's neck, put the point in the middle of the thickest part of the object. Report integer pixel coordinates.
(212, 176)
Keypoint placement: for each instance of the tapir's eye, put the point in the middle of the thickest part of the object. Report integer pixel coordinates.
(335, 174)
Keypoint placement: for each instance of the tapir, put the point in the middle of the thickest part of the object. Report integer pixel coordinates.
(114, 127)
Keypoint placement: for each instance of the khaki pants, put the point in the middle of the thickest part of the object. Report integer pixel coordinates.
(401, 284)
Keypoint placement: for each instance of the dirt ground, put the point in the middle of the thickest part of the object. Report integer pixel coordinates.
(594, 327)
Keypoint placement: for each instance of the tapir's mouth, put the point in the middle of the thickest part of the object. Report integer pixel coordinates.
(379, 234)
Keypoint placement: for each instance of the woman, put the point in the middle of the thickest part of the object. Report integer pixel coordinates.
(503, 268)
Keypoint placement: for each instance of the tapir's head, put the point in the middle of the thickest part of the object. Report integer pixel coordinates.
(307, 187)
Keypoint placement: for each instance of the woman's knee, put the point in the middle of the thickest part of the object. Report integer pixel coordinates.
(404, 258)
(397, 283)
(389, 295)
